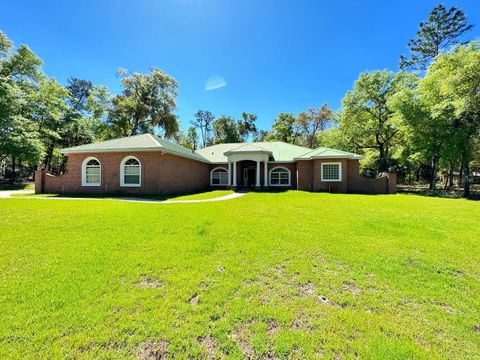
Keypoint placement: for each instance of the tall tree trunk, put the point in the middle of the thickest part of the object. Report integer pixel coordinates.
(13, 177)
(433, 180)
(460, 177)
(466, 180)
(449, 179)
(383, 167)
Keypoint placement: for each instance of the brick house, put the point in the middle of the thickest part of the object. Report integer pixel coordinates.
(146, 164)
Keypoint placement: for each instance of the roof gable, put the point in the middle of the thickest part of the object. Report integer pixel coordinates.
(143, 142)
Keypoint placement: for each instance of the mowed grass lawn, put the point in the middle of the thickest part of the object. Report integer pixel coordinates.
(267, 275)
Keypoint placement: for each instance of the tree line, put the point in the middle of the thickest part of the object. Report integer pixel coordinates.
(422, 122)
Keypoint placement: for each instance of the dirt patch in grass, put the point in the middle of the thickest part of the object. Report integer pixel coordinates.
(241, 338)
(476, 328)
(151, 350)
(272, 328)
(351, 287)
(210, 346)
(301, 322)
(194, 300)
(147, 282)
(306, 290)
(446, 307)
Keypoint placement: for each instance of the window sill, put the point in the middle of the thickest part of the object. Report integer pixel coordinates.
(132, 185)
(88, 185)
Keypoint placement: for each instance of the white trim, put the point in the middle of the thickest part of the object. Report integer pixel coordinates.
(339, 171)
(280, 167)
(211, 174)
(122, 172)
(84, 172)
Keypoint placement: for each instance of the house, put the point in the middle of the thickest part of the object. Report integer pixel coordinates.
(147, 164)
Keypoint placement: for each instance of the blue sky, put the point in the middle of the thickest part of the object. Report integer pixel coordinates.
(270, 56)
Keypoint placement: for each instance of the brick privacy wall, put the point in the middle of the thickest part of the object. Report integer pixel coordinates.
(356, 183)
(161, 173)
(309, 179)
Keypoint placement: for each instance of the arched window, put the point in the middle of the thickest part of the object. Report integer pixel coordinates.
(219, 177)
(279, 176)
(91, 172)
(130, 172)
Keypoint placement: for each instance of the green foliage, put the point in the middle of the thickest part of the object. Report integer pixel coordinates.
(285, 128)
(246, 126)
(366, 277)
(368, 118)
(226, 130)
(442, 29)
(147, 102)
(203, 121)
(312, 122)
(189, 139)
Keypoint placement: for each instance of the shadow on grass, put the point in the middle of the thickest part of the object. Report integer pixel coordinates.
(178, 196)
(445, 194)
(17, 186)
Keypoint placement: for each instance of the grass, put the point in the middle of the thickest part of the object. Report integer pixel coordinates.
(286, 275)
(196, 196)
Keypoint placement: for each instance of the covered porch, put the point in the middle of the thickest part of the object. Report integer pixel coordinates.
(248, 167)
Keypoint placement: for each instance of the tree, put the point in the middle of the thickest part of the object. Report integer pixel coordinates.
(312, 122)
(19, 77)
(225, 130)
(246, 126)
(368, 119)
(189, 139)
(285, 128)
(203, 121)
(451, 92)
(147, 102)
(441, 30)
(47, 109)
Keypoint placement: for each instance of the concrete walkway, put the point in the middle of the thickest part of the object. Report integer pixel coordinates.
(6, 194)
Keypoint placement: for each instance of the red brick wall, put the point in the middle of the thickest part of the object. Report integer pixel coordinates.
(309, 179)
(305, 175)
(330, 186)
(161, 173)
(382, 185)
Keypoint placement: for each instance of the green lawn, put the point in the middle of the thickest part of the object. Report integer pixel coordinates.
(268, 275)
(197, 196)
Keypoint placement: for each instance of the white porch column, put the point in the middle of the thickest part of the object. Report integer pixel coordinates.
(265, 173)
(229, 173)
(234, 174)
(258, 175)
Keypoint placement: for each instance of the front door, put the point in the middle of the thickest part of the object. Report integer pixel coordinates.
(245, 177)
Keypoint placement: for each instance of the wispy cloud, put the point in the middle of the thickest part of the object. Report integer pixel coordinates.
(215, 82)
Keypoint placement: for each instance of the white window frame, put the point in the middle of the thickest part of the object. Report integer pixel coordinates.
(339, 171)
(279, 167)
(84, 172)
(211, 176)
(122, 172)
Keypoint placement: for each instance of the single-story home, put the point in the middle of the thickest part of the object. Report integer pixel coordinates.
(146, 164)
